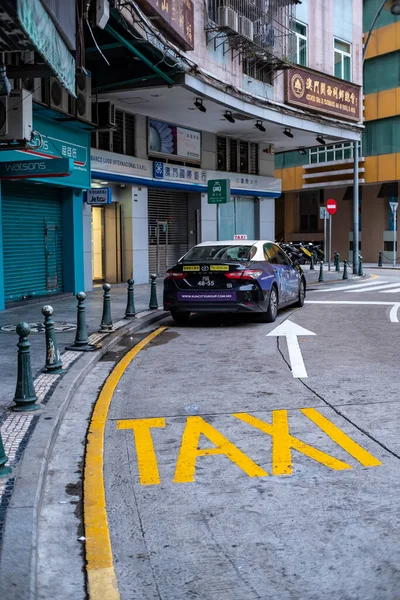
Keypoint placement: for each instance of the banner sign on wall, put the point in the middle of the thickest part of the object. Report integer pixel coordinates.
(98, 196)
(171, 140)
(176, 17)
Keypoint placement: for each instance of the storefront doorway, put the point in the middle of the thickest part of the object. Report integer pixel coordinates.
(237, 217)
(106, 243)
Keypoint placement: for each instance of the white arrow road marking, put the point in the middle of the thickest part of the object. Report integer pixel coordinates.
(343, 288)
(392, 315)
(291, 331)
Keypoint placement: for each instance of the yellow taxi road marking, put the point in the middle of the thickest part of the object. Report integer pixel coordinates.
(186, 464)
(146, 456)
(282, 445)
(102, 581)
(343, 440)
(191, 268)
(282, 442)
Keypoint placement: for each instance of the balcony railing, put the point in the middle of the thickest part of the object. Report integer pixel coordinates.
(261, 29)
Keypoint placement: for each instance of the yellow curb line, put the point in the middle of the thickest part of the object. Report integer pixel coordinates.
(102, 580)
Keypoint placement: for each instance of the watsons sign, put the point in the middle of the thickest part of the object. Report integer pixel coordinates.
(21, 169)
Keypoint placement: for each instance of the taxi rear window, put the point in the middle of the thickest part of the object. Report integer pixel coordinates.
(220, 252)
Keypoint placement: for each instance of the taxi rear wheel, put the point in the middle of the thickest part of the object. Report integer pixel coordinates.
(302, 293)
(270, 315)
(180, 317)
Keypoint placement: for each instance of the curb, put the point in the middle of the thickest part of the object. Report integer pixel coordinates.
(19, 558)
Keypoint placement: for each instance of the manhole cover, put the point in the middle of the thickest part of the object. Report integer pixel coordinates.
(60, 326)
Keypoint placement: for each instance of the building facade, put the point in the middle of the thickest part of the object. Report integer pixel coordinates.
(330, 40)
(210, 98)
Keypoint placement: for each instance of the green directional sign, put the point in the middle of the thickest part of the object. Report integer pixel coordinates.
(219, 191)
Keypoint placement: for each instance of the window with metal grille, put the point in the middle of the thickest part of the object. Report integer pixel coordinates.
(258, 71)
(237, 156)
(221, 154)
(121, 139)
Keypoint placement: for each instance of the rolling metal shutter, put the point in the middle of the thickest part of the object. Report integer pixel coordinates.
(168, 228)
(32, 240)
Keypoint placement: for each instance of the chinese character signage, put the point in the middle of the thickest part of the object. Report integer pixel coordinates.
(174, 141)
(316, 91)
(219, 191)
(177, 19)
(177, 173)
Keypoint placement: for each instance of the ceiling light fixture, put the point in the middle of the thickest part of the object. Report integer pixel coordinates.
(228, 116)
(302, 151)
(288, 132)
(199, 104)
(320, 140)
(260, 126)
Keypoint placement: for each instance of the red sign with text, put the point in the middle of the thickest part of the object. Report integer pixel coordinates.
(331, 206)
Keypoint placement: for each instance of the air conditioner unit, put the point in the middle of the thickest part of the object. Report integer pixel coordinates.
(105, 113)
(55, 95)
(83, 102)
(16, 116)
(228, 18)
(35, 87)
(246, 28)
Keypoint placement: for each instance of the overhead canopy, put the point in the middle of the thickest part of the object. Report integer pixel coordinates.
(25, 25)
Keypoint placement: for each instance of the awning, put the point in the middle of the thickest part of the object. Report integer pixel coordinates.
(26, 25)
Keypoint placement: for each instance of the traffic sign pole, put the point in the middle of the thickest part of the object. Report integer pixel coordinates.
(325, 215)
(394, 206)
(331, 208)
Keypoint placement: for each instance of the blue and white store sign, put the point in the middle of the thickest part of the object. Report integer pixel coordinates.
(178, 174)
(99, 196)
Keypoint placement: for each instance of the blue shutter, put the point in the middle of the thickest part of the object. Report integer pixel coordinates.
(32, 240)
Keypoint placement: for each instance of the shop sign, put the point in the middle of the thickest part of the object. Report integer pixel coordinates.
(176, 173)
(171, 140)
(177, 18)
(219, 191)
(322, 93)
(37, 168)
(56, 141)
(110, 162)
(99, 196)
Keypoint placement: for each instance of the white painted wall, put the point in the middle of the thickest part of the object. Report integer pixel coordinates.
(267, 219)
(135, 254)
(208, 220)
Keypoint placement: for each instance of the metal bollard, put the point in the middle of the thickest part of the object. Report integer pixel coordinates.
(25, 396)
(130, 311)
(345, 275)
(360, 267)
(3, 459)
(312, 268)
(337, 262)
(81, 343)
(380, 263)
(106, 320)
(153, 292)
(53, 358)
(321, 271)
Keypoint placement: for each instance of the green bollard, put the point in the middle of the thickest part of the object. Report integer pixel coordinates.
(81, 343)
(153, 292)
(312, 268)
(337, 262)
(380, 264)
(25, 396)
(106, 320)
(360, 267)
(130, 306)
(321, 271)
(53, 358)
(345, 275)
(3, 459)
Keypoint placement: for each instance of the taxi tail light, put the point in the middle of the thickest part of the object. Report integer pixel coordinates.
(173, 275)
(246, 274)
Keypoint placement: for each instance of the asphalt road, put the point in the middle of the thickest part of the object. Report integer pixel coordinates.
(241, 466)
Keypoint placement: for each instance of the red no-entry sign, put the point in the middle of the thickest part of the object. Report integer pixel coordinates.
(331, 206)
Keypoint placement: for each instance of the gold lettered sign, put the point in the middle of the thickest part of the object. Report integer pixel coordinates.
(316, 91)
(177, 19)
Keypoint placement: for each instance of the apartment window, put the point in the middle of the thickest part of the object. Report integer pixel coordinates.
(331, 152)
(237, 156)
(121, 139)
(301, 44)
(342, 59)
(258, 70)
